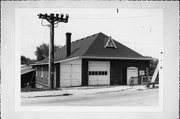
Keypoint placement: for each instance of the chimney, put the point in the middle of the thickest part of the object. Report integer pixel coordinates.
(68, 44)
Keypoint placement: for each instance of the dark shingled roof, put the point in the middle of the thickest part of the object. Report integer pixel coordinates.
(93, 46)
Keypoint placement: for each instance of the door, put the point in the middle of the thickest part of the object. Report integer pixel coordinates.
(99, 73)
(132, 72)
(70, 75)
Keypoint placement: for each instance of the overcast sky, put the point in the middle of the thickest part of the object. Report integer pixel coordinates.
(139, 29)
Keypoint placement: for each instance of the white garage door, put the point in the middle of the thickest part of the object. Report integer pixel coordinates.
(99, 73)
(70, 75)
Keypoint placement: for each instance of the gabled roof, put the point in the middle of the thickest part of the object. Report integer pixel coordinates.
(94, 46)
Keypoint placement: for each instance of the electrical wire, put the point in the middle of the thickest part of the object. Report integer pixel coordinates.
(46, 24)
(56, 24)
(83, 18)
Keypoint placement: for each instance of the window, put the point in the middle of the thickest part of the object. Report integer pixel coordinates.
(36, 71)
(105, 72)
(97, 73)
(90, 72)
(93, 73)
(102, 72)
(141, 73)
(42, 72)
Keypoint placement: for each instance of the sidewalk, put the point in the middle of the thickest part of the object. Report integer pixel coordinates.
(84, 90)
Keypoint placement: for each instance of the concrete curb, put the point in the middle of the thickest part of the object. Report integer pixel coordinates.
(44, 94)
(79, 91)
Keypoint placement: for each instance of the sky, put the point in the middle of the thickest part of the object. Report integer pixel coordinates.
(138, 29)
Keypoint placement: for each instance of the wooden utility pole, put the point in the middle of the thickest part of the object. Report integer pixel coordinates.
(53, 20)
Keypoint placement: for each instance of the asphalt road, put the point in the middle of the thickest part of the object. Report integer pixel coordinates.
(123, 98)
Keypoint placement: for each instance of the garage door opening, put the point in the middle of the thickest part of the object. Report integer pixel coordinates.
(99, 73)
(70, 75)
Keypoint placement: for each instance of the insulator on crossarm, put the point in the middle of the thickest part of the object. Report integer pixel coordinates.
(67, 17)
(62, 15)
(57, 15)
(46, 16)
(40, 15)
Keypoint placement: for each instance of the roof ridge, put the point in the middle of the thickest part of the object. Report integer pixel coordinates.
(129, 48)
(84, 38)
(93, 41)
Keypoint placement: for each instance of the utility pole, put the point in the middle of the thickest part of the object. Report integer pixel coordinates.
(53, 20)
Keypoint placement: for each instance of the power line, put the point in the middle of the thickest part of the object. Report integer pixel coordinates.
(84, 18)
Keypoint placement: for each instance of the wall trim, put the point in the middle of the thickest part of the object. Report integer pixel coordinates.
(124, 58)
(28, 71)
(68, 59)
(57, 61)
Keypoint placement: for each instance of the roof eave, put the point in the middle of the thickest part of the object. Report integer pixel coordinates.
(68, 59)
(123, 58)
(27, 71)
(39, 64)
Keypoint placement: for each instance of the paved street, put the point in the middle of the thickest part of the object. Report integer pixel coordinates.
(118, 98)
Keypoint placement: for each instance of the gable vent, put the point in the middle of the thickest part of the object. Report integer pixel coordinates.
(110, 43)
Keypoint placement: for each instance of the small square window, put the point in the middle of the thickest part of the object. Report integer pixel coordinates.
(105, 72)
(42, 75)
(96, 73)
(92, 73)
(100, 72)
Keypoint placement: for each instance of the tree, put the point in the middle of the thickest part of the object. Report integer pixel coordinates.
(42, 51)
(153, 65)
(27, 61)
(23, 60)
